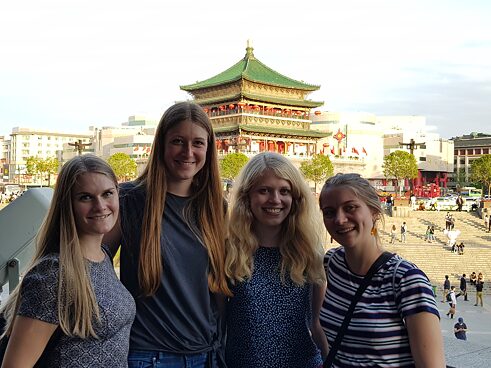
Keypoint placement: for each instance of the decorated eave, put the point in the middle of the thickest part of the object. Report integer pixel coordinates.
(270, 131)
(259, 99)
(251, 69)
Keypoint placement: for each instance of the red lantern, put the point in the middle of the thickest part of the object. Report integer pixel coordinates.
(231, 106)
(318, 112)
(205, 110)
(241, 104)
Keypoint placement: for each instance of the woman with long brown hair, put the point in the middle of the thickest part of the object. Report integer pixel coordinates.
(171, 232)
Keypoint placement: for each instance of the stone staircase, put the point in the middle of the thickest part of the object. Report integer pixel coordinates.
(436, 258)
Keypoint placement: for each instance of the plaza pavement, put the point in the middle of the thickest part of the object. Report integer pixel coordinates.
(476, 351)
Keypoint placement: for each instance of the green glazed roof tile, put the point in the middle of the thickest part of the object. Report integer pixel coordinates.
(251, 69)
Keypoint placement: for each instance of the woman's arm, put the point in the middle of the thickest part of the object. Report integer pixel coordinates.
(27, 342)
(426, 340)
(318, 334)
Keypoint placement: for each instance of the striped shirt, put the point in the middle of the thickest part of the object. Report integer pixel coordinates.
(376, 335)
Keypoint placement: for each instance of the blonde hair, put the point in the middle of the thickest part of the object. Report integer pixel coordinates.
(206, 204)
(364, 191)
(77, 304)
(301, 248)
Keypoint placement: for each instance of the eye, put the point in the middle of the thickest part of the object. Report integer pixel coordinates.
(263, 190)
(328, 213)
(108, 193)
(84, 198)
(350, 208)
(177, 141)
(199, 143)
(285, 191)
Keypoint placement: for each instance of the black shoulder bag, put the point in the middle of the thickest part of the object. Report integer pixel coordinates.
(381, 260)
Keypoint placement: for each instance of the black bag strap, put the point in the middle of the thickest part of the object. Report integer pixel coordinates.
(381, 260)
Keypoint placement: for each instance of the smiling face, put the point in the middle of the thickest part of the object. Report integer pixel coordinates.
(184, 155)
(271, 201)
(347, 218)
(95, 205)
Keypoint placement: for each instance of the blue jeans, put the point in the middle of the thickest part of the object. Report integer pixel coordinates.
(156, 359)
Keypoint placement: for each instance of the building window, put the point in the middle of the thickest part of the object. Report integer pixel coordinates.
(462, 152)
(477, 151)
(485, 151)
(456, 152)
(462, 161)
(422, 159)
(470, 151)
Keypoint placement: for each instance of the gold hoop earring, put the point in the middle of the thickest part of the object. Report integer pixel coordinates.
(374, 231)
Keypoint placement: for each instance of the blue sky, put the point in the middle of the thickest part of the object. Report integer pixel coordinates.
(66, 65)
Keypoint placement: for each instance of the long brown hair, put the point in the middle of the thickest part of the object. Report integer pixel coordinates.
(77, 305)
(206, 203)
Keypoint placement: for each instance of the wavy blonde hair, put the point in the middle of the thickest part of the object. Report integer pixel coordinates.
(206, 205)
(77, 304)
(301, 248)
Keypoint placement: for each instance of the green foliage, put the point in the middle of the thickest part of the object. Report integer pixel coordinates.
(123, 166)
(47, 166)
(231, 165)
(400, 165)
(481, 171)
(317, 169)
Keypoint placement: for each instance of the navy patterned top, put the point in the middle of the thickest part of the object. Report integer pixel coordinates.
(39, 293)
(268, 320)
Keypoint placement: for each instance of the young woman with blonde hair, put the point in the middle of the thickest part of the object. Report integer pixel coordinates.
(70, 293)
(274, 263)
(171, 232)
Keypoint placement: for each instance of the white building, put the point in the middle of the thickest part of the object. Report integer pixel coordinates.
(26, 142)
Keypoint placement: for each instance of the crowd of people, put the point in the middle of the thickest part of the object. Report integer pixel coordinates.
(210, 283)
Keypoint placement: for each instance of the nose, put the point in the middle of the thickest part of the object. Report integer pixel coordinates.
(99, 203)
(274, 196)
(188, 149)
(340, 217)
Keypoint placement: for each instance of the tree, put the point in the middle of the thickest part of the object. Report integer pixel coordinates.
(123, 166)
(231, 165)
(47, 166)
(317, 169)
(400, 165)
(481, 171)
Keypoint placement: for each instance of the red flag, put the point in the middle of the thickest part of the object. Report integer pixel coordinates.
(332, 150)
(364, 151)
(354, 150)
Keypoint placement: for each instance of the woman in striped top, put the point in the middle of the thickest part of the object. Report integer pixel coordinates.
(396, 321)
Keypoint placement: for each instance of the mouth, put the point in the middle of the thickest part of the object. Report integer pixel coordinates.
(101, 217)
(185, 163)
(272, 210)
(345, 230)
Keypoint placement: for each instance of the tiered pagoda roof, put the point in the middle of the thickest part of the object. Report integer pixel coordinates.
(251, 69)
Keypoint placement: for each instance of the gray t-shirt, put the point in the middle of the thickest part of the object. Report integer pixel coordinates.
(39, 300)
(182, 316)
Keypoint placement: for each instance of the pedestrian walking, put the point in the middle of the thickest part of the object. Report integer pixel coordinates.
(393, 230)
(447, 221)
(403, 232)
(460, 203)
(432, 234)
(446, 288)
(460, 329)
(452, 302)
(479, 287)
(486, 222)
(427, 234)
(463, 287)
